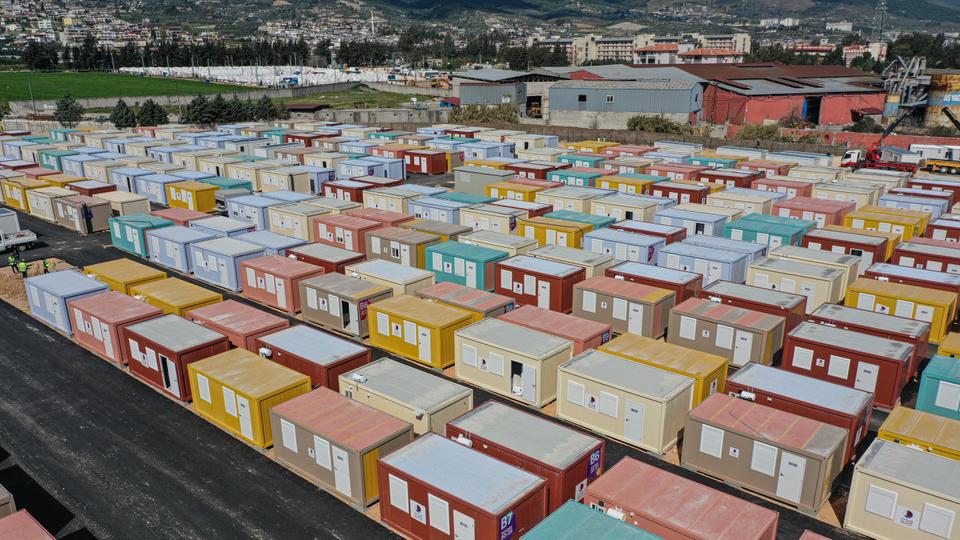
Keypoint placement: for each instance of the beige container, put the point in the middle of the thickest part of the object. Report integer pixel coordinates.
(100, 170)
(294, 219)
(401, 279)
(140, 148)
(41, 201)
(7, 504)
(891, 480)
(216, 165)
(632, 402)
(334, 206)
(340, 302)
(250, 171)
(820, 174)
(848, 264)
(629, 308)
(188, 159)
(887, 179)
(859, 194)
(747, 203)
(732, 214)
(285, 178)
(595, 264)
(820, 284)
(326, 160)
(425, 400)
(160, 167)
(125, 204)
(393, 199)
(508, 243)
(619, 207)
(578, 199)
(511, 360)
(737, 334)
(491, 217)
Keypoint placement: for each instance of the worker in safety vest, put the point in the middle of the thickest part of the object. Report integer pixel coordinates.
(46, 266)
(12, 261)
(23, 267)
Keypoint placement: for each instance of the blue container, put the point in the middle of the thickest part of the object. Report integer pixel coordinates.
(940, 387)
(74, 164)
(125, 178)
(218, 261)
(154, 187)
(624, 245)
(693, 222)
(436, 209)
(575, 521)
(464, 264)
(271, 242)
(711, 263)
(170, 246)
(352, 168)
(48, 294)
(394, 167)
(252, 209)
(319, 175)
(287, 196)
(192, 175)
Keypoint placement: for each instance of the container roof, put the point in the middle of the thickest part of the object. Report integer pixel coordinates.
(849, 340)
(175, 333)
(625, 237)
(492, 237)
(175, 291)
(668, 355)
(659, 273)
(878, 321)
(943, 367)
(473, 252)
(690, 214)
(326, 252)
(755, 294)
(725, 313)
(270, 239)
(807, 389)
(903, 465)
(624, 288)
(575, 521)
(180, 234)
(556, 323)
(572, 255)
(256, 201)
(475, 478)
(773, 264)
(740, 246)
(236, 316)
(458, 295)
(407, 385)
(66, 283)
(231, 247)
(703, 252)
(115, 307)
(515, 338)
(934, 430)
(124, 269)
(541, 266)
(346, 286)
(138, 220)
(392, 271)
(313, 345)
(626, 374)
(248, 373)
(221, 223)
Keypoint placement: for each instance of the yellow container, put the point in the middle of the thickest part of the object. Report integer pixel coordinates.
(549, 231)
(714, 187)
(708, 371)
(236, 390)
(327, 160)
(15, 191)
(922, 430)
(623, 184)
(924, 217)
(417, 329)
(192, 196)
(175, 296)
(510, 190)
(61, 180)
(624, 206)
(904, 227)
(933, 306)
(950, 346)
(122, 275)
(892, 238)
(593, 147)
(500, 165)
(574, 198)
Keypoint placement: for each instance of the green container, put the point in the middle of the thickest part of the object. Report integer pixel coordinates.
(468, 198)
(224, 182)
(575, 521)
(598, 222)
(129, 233)
(386, 135)
(581, 161)
(276, 135)
(938, 386)
(39, 139)
(575, 178)
(714, 162)
(464, 264)
(768, 230)
(53, 159)
(60, 134)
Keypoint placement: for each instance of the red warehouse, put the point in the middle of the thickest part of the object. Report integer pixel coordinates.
(676, 171)
(242, 324)
(823, 211)
(160, 350)
(345, 190)
(684, 285)
(869, 248)
(275, 280)
(682, 193)
(791, 307)
(435, 488)
(782, 185)
(730, 177)
(851, 359)
(98, 322)
(343, 231)
(668, 232)
(330, 258)
(566, 458)
(426, 161)
(538, 282)
(384, 217)
(584, 333)
(321, 356)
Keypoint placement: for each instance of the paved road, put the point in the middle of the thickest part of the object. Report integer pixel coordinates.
(100, 440)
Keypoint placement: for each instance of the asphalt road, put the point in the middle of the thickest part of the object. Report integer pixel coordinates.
(100, 441)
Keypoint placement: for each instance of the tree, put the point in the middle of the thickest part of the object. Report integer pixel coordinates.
(656, 124)
(219, 107)
(122, 116)
(199, 112)
(69, 111)
(152, 114)
(40, 56)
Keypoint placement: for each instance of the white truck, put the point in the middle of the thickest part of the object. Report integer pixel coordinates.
(11, 236)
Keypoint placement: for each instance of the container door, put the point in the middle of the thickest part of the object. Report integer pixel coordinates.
(351, 320)
(561, 239)
(866, 377)
(348, 239)
(341, 471)
(635, 319)
(471, 274)
(281, 294)
(528, 378)
(243, 414)
(742, 347)
(170, 380)
(423, 343)
(543, 294)
(405, 255)
(790, 483)
(463, 527)
(633, 421)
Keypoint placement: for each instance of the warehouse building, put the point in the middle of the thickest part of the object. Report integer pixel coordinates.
(610, 104)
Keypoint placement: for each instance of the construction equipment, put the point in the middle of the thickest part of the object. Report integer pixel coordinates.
(882, 157)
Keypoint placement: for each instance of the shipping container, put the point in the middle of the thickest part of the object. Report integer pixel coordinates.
(532, 209)
(626, 165)
(924, 304)
(169, 246)
(768, 231)
(819, 284)
(154, 187)
(91, 187)
(21, 525)
(582, 173)
(594, 219)
(417, 329)
(886, 179)
(320, 355)
(849, 265)
(331, 259)
(479, 304)
(344, 231)
(924, 431)
(858, 194)
(340, 302)
(513, 190)
(692, 512)
(950, 345)
(404, 246)
(175, 296)
(675, 171)
(821, 211)
(294, 220)
(627, 307)
(630, 183)
(402, 279)
(935, 207)
(192, 195)
(83, 214)
(48, 294)
(15, 191)
(129, 233)
(594, 264)
(271, 242)
(772, 302)
(575, 520)
(40, 201)
(622, 206)
(578, 199)
(123, 274)
(549, 231)
(296, 179)
(347, 190)
(275, 280)
(791, 458)
(437, 209)
(944, 229)
(394, 199)
(192, 175)
(869, 249)
(905, 226)
(683, 284)
(711, 263)
(694, 222)
(946, 185)
(584, 333)
(624, 246)
(708, 371)
(426, 161)
(464, 264)
(847, 408)
(539, 282)
(240, 323)
(99, 322)
(730, 177)
(236, 390)
(490, 217)
(747, 201)
(63, 180)
(940, 387)
(218, 260)
(926, 253)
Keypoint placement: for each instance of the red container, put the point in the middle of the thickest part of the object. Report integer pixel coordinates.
(242, 324)
(91, 187)
(767, 168)
(21, 525)
(869, 248)
(676, 171)
(684, 285)
(668, 232)
(779, 185)
(850, 359)
(37, 172)
(275, 280)
(944, 229)
(585, 334)
(791, 307)
(538, 282)
(682, 193)
(160, 350)
(379, 181)
(343, 231)
(535, 170)
(384, 217)
(321, 356)
(628, 150)
(936, 255)
(533, 209)
(823, 211)
(880, 325)
(345, 190)
(179, 216)
(788, 392)
(330, 258)
(426, 161)
(516, 502)
(99, 320)
(935, 185)
(926, 193)
(306, 139)
(463, 133)
(393, 151)
(928, 278)
(676, 508)
(730, 177)
(17, 165)
(578, 458)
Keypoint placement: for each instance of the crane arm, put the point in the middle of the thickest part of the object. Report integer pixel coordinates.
(951, 116)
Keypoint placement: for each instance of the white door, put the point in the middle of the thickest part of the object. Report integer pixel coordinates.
(561, 239)
(543, 294)
(423, 342)
(405, 255)
(866, 377)
(354, 325)
(790, 483)
(528, 378)
(463, 527)
(341, 471)
(635, 319)
(170, 380)
(633, 421)
(243, 414)
(348, 240)
(471, 274)
(742, 346)
(281, 294)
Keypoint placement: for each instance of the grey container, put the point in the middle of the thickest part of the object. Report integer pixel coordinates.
(712, 264)
(693, 222)
(48, 294)
(623, 245)
(170, 246)
(752, 250)
(223, 227)
(217, 261)
(271, 242)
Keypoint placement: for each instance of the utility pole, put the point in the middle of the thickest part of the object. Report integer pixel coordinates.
(30, 89)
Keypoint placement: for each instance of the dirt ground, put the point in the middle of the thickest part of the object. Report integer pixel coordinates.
(11, 284)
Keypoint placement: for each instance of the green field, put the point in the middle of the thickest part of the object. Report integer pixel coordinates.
(357, 97)
(13, 85)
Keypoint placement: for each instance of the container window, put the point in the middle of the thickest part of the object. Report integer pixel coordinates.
(439, 512)
(288, 434)
(609, 99)
(881, 502)
(581, 98)
(575, 393)
(398, 493)
(711, 441)
(936, 520)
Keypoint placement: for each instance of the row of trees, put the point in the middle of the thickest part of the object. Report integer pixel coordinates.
(149, 114)
(204, 111)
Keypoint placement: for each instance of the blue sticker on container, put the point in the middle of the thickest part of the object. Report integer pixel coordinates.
(508, 526)
(594, 469)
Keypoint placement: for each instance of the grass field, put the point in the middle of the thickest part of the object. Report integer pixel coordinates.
(13, 85)
(350, 99)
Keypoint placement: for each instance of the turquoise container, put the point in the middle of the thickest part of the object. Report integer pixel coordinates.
(575, 521)
(638, 176)
(598, 222)
(467, 198)
(581, 161)
(940, 387)
(773, 231)
(60, 134)
(53, 159)
(129, 233)
(464, 264)
(224, 182)
(571, 177)
(714, 162)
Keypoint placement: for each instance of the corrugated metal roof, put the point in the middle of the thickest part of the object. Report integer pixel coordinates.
(874, 320)
(503, 239)
(230, 247)
(491, 75)
(904, 465)
(569, 254)
(392, 271)
(625, 85)
(408, 385)
(326, 252)
(626, 374)
(345, 286)
(541, 266)
(803, 388)
(313, 345)
(221, 223)
(719, 242)
(516, 338)
(756, 294)
(249, 373)
(175, 333)
(703, 252)
(475, 478)
(270, 239)
(66, 283)
(468, 251)
(919, 273)
(256, 201)
(624, 237)
(656, 272)
(675, 213)
(848, 340)
(793, 267)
